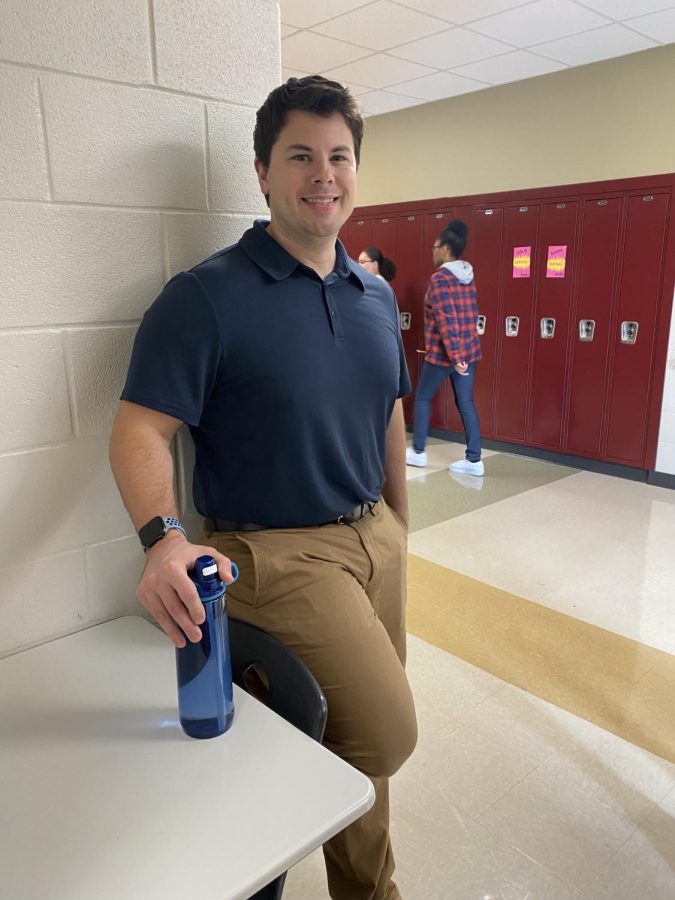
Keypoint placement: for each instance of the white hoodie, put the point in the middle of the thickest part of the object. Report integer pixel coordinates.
(462, 270)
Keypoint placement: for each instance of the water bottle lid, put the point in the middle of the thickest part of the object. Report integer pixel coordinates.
(206, 578)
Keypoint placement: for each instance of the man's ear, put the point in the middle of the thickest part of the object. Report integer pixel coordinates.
(261, 172)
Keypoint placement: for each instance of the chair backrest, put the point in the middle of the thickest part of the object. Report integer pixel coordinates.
(292, 691)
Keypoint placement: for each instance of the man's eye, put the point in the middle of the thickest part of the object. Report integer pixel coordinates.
(301, 157)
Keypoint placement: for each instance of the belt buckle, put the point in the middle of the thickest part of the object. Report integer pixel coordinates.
(340, 520)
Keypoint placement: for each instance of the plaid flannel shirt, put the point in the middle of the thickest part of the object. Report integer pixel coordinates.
(450, 317)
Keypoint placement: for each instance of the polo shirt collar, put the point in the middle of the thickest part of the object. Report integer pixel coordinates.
(278, 263)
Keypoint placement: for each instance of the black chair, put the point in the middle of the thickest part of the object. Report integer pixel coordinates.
(270, 671)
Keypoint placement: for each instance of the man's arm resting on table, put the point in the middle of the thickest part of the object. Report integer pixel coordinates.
(141, 461)
(395, 492)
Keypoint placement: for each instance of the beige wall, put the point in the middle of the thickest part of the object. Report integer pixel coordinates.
(613, 119)
(126, 155)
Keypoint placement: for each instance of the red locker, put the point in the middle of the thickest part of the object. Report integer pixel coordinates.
(383, 236)
(356, 234)
(515, 325)
(484, 252)
(552, 314)
(633, 331)
(592, 313)
(410, 294)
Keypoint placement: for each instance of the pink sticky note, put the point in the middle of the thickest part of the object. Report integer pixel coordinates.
(521, 262)
(555, 264)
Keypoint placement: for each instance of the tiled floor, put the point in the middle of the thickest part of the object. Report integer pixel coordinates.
(542, 634)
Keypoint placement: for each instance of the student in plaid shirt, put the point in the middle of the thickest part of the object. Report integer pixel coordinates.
(453, 347)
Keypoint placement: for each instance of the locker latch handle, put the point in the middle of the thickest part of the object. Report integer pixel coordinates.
(629, 332)
(480, 325)
(406, 319)
(547, 328)
(586, 329)
(512, 325)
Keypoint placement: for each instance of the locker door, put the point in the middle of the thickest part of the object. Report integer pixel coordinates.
(357, 235)
(484, 252)
(410, 294)
(641, 273)
(383, 235)
(517, 307)
(553, 313)
(590, 325)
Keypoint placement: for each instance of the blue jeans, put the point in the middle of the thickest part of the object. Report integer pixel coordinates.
(430, 380)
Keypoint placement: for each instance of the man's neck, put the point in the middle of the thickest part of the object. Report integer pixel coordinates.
(319, 255)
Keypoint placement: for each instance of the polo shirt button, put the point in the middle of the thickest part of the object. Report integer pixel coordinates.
(332, 312)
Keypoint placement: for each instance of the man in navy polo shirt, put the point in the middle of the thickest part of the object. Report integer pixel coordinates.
(285, 360)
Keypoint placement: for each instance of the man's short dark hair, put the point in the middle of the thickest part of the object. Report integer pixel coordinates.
(314, 94)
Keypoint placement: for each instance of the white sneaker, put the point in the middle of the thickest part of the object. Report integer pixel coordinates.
(413, 458)
(466, 467)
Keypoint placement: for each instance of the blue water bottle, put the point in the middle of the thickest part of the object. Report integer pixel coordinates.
(204, 670)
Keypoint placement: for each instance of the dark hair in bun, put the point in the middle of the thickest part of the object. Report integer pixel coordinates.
(455, 236)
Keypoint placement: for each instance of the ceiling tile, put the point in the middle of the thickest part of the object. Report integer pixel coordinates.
(380, 26)
(624, 9)
(376, 103)
(293, 73)
(304, 14)
(379, 70)
(592, 46)
(450, 48)
(544, 20)
(437, 86)
(459, 12)
(287, 30)
(660, 25)
(315, 53)
(513, 66)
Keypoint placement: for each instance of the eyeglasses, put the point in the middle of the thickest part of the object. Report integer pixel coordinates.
(362, 262)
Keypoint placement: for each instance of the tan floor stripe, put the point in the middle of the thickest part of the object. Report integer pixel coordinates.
(619, 684)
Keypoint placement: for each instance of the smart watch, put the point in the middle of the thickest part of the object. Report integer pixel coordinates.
(156, 528)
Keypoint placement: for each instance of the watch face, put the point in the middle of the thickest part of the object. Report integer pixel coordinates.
(151, 532)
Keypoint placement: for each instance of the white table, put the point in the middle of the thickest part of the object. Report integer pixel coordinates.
(103, 796)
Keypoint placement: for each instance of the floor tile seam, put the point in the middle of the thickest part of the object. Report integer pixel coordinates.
(612, 810)
(544, 605)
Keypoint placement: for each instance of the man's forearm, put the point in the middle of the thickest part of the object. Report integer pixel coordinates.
(395, 492)
(141, 461)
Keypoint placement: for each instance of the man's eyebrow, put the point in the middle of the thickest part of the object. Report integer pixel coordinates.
(306, 149)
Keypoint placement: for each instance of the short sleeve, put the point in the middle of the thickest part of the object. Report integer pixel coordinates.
(177, 352)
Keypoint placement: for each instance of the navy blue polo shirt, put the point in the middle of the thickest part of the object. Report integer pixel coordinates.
(287, 382)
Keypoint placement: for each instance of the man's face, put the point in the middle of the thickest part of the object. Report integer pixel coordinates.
(311, 178)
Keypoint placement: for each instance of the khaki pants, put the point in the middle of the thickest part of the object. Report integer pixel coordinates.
(336, 596)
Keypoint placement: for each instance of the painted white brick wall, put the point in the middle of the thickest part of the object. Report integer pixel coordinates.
(126, 156)
(665, 453)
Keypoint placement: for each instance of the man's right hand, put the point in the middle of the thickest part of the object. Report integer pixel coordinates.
(167, 592)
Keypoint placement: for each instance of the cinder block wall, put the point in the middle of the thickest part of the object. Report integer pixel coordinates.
(125, 156)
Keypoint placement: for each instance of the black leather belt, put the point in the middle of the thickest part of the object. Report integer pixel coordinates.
(347, 519)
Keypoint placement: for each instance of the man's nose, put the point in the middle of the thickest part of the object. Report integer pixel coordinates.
(323, 172)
